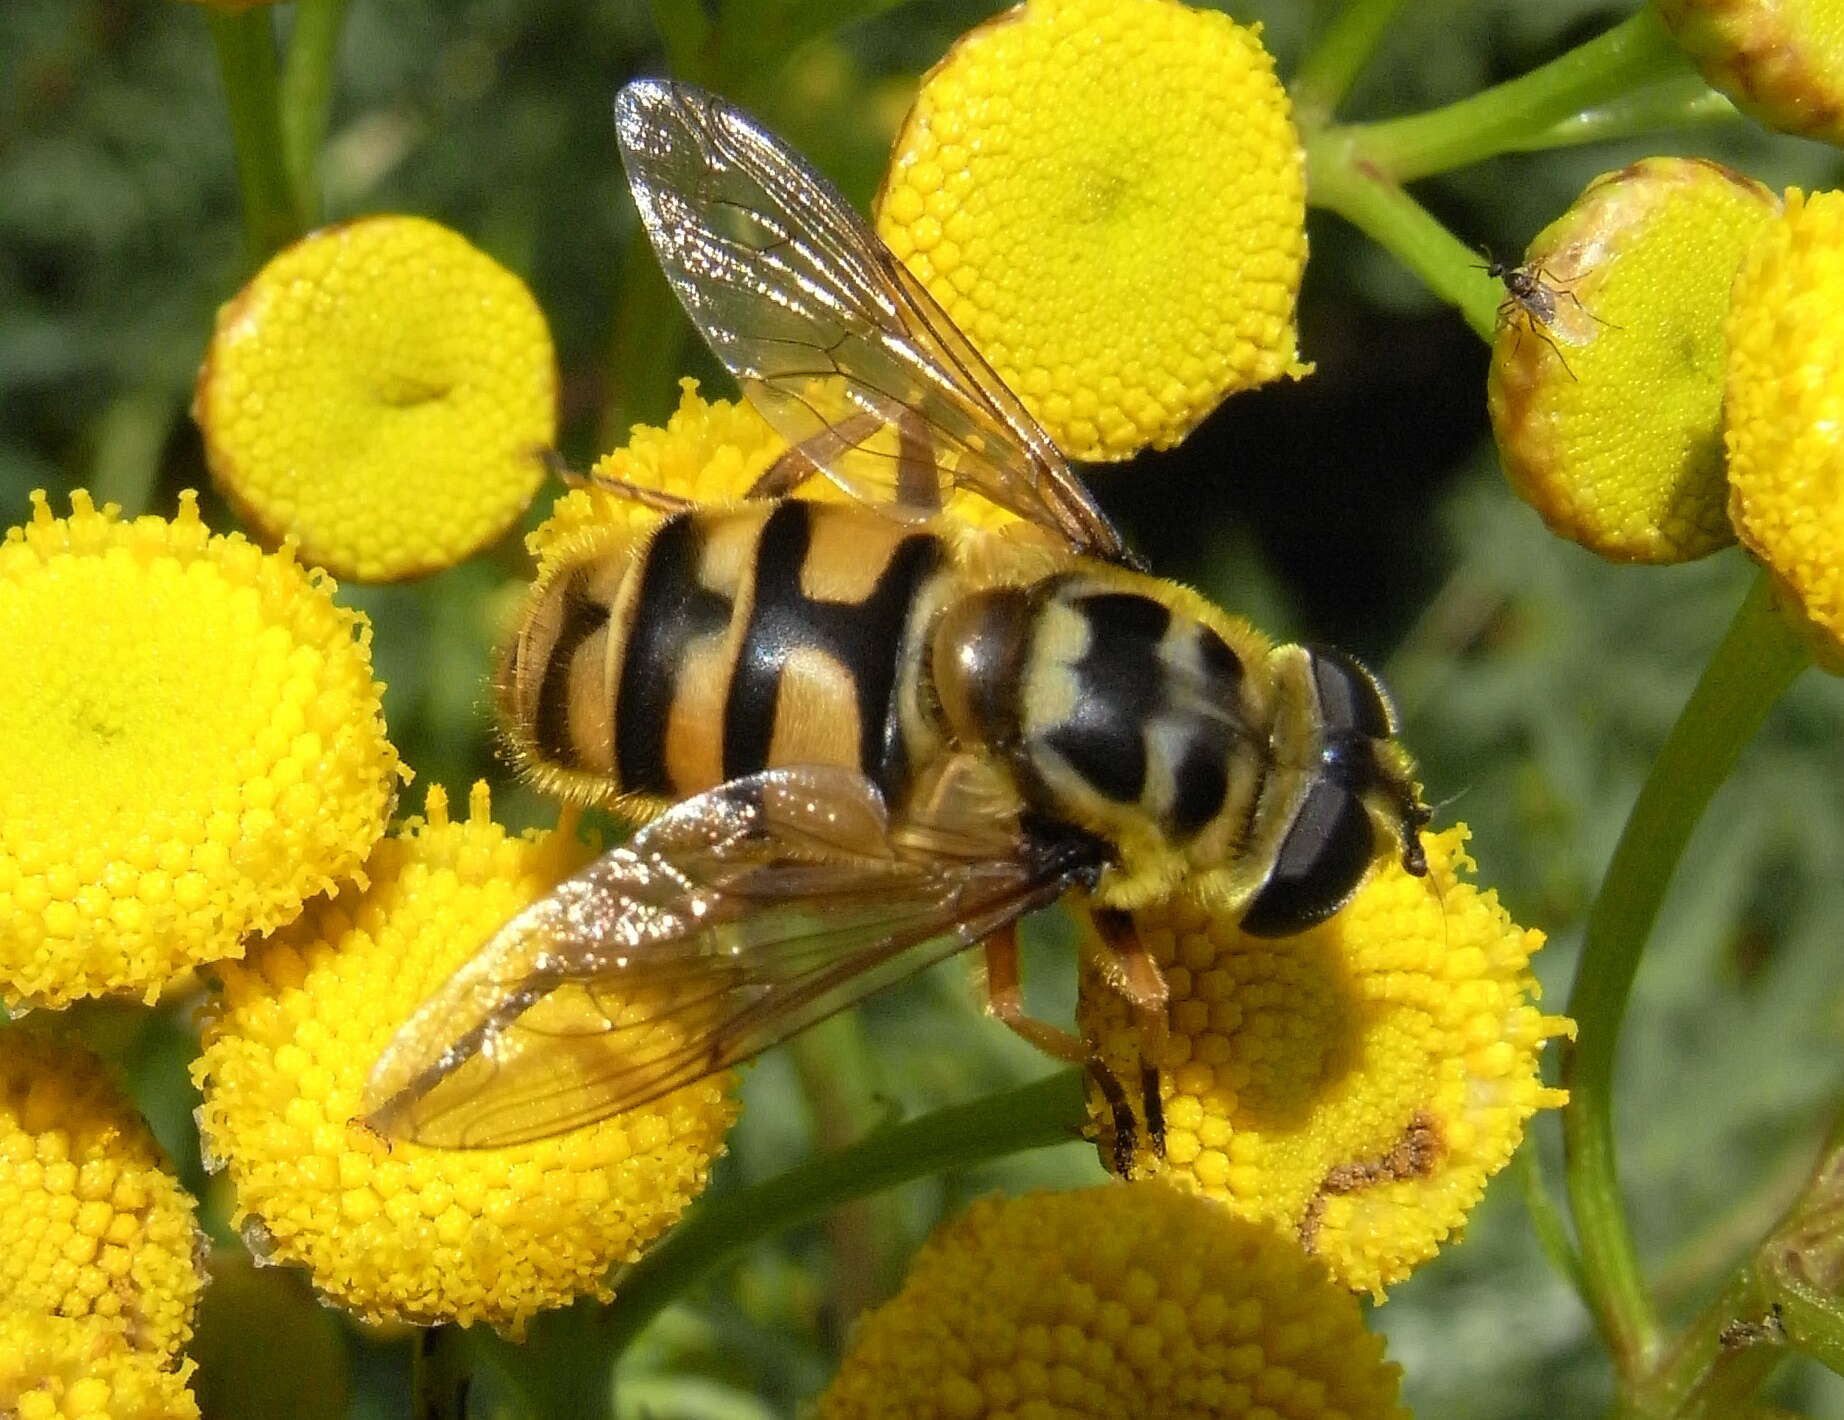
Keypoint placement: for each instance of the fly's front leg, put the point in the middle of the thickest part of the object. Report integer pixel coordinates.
(647, 497)
(1129, 970)
(1005, 1000)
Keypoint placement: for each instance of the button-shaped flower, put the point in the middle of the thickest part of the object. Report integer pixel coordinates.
(1108, 197)
(383, 393)
(1780, 60)
(194, 748)
(79, 1368)
(392, 1230)
(1134, 1299)
(1784, 410)
(1355, 1085)
(1606, 383)
(93, 1224)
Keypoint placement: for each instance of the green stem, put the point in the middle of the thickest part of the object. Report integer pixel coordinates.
(649, 334)
(1380, 209)
(1050, 1111)
(307, 96)
(1758, 659)
(1547, 1221)
(1514, 116)
(439, 1375)
(246, 57)
(1675, 102)
(1332, 65)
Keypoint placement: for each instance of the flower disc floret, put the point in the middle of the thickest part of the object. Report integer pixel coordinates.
(1108, 197)
(1357, 1084)
(79, 1368)
(195, 746)
(389, 1229)
(1608, 417)
(93, 1224)
(1131, 1299)
(383, 393)
(1784, 408)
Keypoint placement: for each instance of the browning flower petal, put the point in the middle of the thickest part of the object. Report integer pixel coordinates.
(94, 1225)
(394, 1231)
(1357, 1084)
(1780, 60)
(382, 392)
(1133, 1299)
(195, 747)
(1108, 197)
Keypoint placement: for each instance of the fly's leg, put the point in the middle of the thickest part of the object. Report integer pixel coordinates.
(647, 497)
(1005, 1001)
(1129, 969)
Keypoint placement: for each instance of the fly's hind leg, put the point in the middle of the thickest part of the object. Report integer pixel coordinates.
(1005, 1000)
(1129, 969)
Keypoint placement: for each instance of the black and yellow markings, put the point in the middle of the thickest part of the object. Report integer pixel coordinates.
(579, 614)
(672, 610)
(862, 638)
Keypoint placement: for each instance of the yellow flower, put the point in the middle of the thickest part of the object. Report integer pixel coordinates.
(194, 748)
(1784, 407)
(1357, 1084)
(1780, 60)
(1127, 1300)
(93, 1223)
(77, 1368)
(1108, 197)
(392, 1230)
(1608, 416)
(382, 392)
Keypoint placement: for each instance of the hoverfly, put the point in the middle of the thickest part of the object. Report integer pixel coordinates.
(866, 736)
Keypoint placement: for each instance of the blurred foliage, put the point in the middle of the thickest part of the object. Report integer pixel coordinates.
(1360, 506)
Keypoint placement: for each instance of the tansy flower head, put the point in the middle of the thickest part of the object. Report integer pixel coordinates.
(711, 451)
(1133, 1299)
(194, 748)
(392, 1230)
(1606, 385)
(1783, 408)
(78, 1368)
(381, 392)
(1780, 60)
(1355, 1085)
(1108, 197)
(93, 1224)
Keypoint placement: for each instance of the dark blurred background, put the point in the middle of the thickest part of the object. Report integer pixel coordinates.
(1361, 506)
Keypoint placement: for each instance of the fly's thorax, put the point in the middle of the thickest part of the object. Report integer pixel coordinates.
(1340, 794)
(1118, 707)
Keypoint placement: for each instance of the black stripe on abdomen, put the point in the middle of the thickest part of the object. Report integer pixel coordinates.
(865, 637)
(671, 610)
(581, 616)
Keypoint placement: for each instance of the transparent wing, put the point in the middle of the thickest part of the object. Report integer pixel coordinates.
(843, 351)
(736, 919)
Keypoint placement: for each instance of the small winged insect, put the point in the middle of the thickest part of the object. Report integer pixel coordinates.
(1548, 308)
(864, 735)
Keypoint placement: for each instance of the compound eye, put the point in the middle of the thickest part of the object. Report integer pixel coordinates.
(1350, 697)
(1323, 858)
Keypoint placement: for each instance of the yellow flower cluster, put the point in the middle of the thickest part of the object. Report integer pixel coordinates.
(76, 1368)
(1108, 197)
(392, 1230)
(1355, 1085)
(1784, 408)
(99, 1253)
(1131, 1300)
(194, 748)
(382, 392)
(1609, 415)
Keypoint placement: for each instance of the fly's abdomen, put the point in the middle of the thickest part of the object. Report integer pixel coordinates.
(731, 641)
